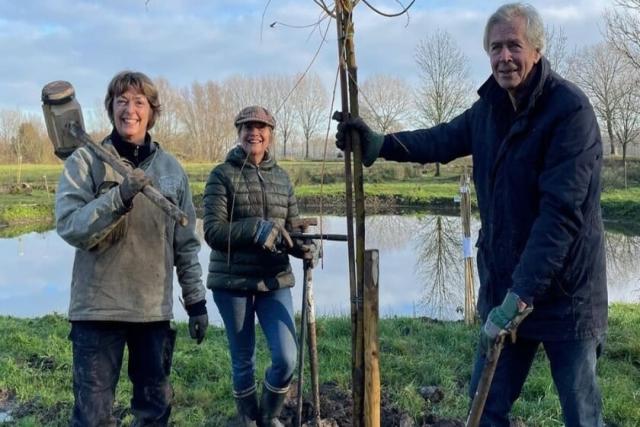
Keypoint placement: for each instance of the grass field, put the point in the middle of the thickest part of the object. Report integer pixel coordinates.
(35, 371)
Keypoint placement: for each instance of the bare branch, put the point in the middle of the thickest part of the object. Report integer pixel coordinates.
(389, 15)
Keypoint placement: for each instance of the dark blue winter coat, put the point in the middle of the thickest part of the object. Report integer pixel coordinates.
(537, 178)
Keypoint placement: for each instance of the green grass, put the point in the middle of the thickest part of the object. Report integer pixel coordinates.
(35, 367)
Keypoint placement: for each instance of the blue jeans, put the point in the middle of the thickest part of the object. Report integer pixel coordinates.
(275, 314)
(98, 348)
(573, 368)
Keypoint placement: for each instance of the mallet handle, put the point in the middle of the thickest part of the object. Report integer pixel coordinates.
(123, 169)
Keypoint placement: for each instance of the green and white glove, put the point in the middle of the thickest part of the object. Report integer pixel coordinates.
(370, 141)
(500, 319)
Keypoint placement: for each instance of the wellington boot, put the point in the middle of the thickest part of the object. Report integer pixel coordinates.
(271, 404)
(248, 409)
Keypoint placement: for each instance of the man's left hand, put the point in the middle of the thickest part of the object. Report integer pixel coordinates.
(500, 318)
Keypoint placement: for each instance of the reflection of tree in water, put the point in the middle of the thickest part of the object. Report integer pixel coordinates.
(438, 241)
(390, 231)
(622, 252)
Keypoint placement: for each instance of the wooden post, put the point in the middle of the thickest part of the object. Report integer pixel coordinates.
(312, 344)
(465, 215)
(371, 354)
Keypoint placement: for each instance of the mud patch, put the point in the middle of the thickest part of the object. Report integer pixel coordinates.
(7, 404)
(336, 409)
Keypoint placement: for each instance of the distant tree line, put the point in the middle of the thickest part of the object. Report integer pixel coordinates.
(197, 120)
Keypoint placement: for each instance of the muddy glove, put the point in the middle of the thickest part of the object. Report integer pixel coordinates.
(370, 141)
(198, 320)
(133, 183)
(271, 236)
(502, 319)
(306, 251)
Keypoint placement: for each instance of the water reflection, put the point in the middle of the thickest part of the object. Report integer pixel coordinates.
(421, 269)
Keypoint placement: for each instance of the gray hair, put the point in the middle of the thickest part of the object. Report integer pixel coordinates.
(534, 28)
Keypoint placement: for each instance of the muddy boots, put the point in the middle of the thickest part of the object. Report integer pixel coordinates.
(248, 409)
(271, 404)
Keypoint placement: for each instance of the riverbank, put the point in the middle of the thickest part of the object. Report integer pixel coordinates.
(35, 372)
(389, 187)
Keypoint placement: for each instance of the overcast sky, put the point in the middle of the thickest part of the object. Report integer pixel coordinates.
(87, 42)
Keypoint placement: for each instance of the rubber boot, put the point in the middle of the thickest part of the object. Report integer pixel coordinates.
(271, 404)
(247, 405)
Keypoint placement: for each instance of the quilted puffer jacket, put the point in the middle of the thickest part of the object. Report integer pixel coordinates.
(237, 195)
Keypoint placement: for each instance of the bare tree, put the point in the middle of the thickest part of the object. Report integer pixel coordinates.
(556, 49)
(200, 112)
(626, 126)
(622, 29)
(168, 129)
(281, 105)
(9, 122)
(438, 264)
(97, 121)
(310, 103)
(445, 89)
(391, 97)
(600, 71)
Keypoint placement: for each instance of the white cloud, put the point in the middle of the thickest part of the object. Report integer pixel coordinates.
(87, 42)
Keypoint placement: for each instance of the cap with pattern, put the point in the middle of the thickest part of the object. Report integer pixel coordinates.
(255, 113)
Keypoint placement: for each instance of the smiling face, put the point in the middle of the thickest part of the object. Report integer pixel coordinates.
(131, 115)
(512, 55)
(255, 138)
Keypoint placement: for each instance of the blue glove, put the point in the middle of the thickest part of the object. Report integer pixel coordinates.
(370, 141)
(503, 318)
(271, 236)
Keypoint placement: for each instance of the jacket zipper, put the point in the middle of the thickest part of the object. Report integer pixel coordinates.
(264, 195)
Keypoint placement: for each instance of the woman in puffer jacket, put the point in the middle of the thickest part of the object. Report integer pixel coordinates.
(248, 203)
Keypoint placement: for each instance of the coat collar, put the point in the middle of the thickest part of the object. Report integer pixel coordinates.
(495, 95)
(237, 157)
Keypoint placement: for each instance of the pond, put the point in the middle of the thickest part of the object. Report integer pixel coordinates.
(421, 270)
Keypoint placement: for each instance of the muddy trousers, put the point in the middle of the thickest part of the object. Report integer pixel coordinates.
(98, 349)
(573, 368)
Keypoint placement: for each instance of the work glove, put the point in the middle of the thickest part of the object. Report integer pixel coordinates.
(133, 183)
(502, 319)
(370, 141)
(306, 251)
(198, 320)
(272, 236)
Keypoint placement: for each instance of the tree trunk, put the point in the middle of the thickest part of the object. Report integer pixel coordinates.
(612, 144)
(624, 164)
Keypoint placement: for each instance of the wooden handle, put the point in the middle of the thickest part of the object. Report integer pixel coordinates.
(123, 169)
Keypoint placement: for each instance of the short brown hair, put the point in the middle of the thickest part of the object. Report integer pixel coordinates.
(125, 80)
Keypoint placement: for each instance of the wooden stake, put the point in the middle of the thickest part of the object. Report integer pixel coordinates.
(356, 374)
(358, 190)
(371, 353)
(465, 215)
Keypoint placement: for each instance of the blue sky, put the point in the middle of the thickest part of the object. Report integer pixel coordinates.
(87, 42)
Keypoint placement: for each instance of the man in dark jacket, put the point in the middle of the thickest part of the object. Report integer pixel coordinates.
(537, 159)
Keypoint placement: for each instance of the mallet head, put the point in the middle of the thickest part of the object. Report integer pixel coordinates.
(61, 110)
